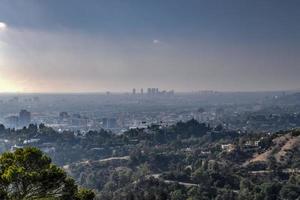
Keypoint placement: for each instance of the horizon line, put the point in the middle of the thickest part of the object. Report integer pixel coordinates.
(145, 92)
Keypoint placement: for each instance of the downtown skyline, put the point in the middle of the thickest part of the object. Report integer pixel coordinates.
(98, 46)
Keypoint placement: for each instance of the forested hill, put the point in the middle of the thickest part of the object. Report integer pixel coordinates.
(189, 160)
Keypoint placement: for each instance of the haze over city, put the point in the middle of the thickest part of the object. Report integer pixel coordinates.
(149, 100)
(97, 46)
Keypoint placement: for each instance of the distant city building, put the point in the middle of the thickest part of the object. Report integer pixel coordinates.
(133, 91)
(109, 123)
(11, 121)
(157, 92)
(142, 91)
(36, 99)
(153, 91)
(15, 147)
(63, 116)
(24, 118)
(228, 147)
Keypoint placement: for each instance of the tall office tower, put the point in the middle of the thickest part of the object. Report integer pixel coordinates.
(133, 91)
(12, 121)
(109, 123)
(24, 118)
(153, 91)
(142, 91)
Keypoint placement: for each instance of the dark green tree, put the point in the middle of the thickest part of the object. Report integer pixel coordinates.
(28, 174)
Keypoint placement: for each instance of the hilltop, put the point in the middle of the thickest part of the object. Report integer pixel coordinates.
(188, 160)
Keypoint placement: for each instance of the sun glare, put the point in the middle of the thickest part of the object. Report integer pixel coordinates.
(3, 26)
(8, 86)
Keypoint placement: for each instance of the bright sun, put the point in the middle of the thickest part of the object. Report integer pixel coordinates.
(3, 26)
(8, 86)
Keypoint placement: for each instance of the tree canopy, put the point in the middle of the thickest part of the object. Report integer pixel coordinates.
(29, 174)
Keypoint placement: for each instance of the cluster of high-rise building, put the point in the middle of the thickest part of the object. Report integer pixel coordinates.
(17, 121)
(152, 92)
(68, 121)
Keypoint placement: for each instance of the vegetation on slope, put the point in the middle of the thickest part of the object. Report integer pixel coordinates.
(28, 174)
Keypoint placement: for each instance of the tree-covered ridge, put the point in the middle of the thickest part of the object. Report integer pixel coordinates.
(188, 160)
(28, 174)
(171, 175)
(176, 163)
(95, 145)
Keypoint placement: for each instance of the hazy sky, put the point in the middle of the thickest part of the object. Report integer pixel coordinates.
(116, 45)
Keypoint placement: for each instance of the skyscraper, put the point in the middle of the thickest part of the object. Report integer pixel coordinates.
(24, 118)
